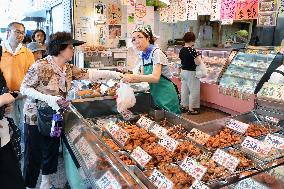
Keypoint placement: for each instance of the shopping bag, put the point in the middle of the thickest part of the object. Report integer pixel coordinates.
(201, 70)
(125, 97)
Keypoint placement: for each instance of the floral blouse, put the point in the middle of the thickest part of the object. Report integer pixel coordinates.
(48, 78)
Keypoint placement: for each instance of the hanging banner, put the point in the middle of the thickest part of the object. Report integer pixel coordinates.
(174, 12)
(191, 13)
(100, 12)
(164, 15)
(203, 7)
(181, 10)
(280, 4)
(114, 14)
(247, 9)
(215, 10)
(228, 9)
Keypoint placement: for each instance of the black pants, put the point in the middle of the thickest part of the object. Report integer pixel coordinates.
(10, 172)
(40, 152)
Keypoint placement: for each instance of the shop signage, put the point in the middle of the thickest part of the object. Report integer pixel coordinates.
(159, 131)
(107, 181)
(160, 181)
(193, 168)
(226, 160)
(145, 123)
(249, 184)
(141, 157)
(215, 10)
(191, 12)
(256, 146)
(237, 126)
(275, 141)
(118, 133)
(198, 136)
(247, 9)
(140, 10)
(114, 14)
(272, 91)
(86, 152)
(169, 143)
(75, 132)
(228, 9)
(198, 185)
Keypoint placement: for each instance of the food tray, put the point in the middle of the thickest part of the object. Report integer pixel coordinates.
(128, 160)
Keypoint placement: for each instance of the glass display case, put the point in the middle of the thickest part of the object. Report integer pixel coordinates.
(245, 71)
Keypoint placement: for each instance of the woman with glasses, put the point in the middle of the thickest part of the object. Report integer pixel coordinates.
(154, 70)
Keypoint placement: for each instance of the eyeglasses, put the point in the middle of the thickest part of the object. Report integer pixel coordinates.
(18, 32)
(139, 37)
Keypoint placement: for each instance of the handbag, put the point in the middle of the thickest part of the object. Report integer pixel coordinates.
(15, 134)
(201, 71)
(44, 119)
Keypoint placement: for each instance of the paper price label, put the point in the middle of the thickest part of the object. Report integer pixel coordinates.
(272, 90)
(227, 21)
(75, 132)
(198, 136)
(160, 181)
(249, 184)
(112, 128)
(271, 119)
(107, 181)
(198, 185)
(276, 141)
(145, 122)
(159, 131)
(121, 136)
(169, 143)
(226, 160)
(193, 168)
(86, 152)
(237, 126)
(256, 146)
(141, 156)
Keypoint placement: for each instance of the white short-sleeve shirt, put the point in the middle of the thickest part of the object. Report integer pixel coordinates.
(277, 77)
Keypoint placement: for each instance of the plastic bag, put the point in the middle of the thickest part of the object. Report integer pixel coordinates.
(201, 71)
(125, 97)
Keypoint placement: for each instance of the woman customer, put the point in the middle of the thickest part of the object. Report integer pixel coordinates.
(154, 70)
(190, 84)
(46, 85)
(39, 36)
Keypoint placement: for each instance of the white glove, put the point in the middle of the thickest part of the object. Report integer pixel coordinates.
(49, 99)
(95, 74)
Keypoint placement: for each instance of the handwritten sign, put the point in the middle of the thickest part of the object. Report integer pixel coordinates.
(160, 181)
(198, 136)
(249, 184)
(191, 12)
(228, 9)
(145, 122)
(141, 156)
(86, 152)
(107, 181)
(226, 160)
(198, 185)
(215, 10)
(270, 119)
(246, 9)
(114, 14)
(276, 141)
(112, 128)
(118, 133)
(169, 143)
(256, 146)
(193, 168)
(272, 91)
(237, 126)
(159, 131)
(75, 132)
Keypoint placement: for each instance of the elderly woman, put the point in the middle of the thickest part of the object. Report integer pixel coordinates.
(154, 70)
(46, 85)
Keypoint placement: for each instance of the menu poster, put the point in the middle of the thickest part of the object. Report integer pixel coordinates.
(181, 15)
(160, 180)
(163, 14)
(191, 12)
(215, 10)
(246, 9)
(249, 184)
(228, 9)
(203, 7)
(114, 14)
(108, 181)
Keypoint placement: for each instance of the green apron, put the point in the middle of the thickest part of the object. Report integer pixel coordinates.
(164, 93)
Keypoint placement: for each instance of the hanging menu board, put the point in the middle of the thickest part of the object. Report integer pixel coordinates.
(215, 10)
(246, 9)
(228, 9)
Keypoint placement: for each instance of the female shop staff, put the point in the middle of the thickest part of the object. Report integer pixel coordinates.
(46, 84)
(154, 70)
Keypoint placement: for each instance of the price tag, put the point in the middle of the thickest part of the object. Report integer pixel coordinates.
(145, 122)
(159, 131)
(227, 21)
(271, 119)
(198, 136)
(276, 141)
(86, 152)
(160, 181)
(237, 126)
(169, 143)
(256, 146)
(273, 91)
(141, 156)
(198, 185)
(107, 181)
(193, 168)
(112, 128)
(226, 160)
(75, 132)
(249, 184)
(121, 136)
